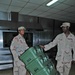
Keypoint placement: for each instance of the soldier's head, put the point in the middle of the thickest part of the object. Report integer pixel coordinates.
(65, 26)
(21, 30)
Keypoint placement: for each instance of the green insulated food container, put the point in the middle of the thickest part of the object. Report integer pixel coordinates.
(28, 56)
(44, 71)
(51, 67)
(37, 62)
(35, 65)
(47, 70)
(31, 53)
(39, 50)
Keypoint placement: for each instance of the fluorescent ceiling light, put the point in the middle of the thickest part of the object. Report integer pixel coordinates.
(51, 2)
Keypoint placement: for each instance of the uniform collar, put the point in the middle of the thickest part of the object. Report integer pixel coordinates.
(68, 35)
(20, 36)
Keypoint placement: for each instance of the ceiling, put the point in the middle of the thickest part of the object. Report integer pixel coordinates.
(62, 10)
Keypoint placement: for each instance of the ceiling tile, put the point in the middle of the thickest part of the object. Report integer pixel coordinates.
(23, 0)
(31, 5)
(62, 13)
(59, 17)
(62, 10)
(3, 7)
(71, 15)
(37, 1)
(70, 2)
(62, 6)
(35, 12)
(14, 8)
(70, 9)
(18, 3)
(32, 14)
(55, 16)
(3, 10)
(48, 17)
(25, 11)
(53, 10)
(42, 15)
(45, 13)
(61, 0)
(42, 8)
(5, 1)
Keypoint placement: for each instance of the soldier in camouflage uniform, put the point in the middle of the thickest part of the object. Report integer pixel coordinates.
(18, 46)
(65, 43)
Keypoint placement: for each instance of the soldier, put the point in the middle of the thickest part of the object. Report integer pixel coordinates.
(65, 43)
(18, 46)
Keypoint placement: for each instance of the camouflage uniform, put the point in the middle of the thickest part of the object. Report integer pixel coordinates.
(64, 55)
(18, 46)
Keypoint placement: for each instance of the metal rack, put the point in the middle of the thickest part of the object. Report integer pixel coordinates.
(6, 60)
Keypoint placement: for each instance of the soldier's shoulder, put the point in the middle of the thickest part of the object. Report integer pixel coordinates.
(15, 38)
(72, 35)
(59, 35)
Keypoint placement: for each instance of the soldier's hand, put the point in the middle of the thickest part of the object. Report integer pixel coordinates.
(42, 46)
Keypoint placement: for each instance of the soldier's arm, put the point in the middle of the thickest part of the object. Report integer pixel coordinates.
(74, 49)
(13, 48)
(51, 44)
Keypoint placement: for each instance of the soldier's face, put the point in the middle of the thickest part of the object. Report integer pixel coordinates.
(65, 29)
(22, 31)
